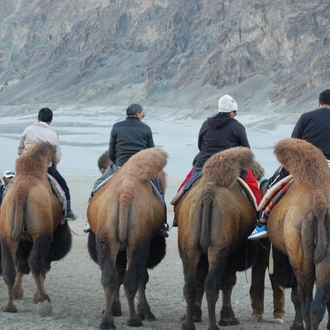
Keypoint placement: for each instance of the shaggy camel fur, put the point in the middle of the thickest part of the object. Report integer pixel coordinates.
(125, 217)
(30, 231)
(214, 220)
(299, 226)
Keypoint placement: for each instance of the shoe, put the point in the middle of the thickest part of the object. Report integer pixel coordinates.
(258, 317)
(70, 216)
(278, 320)
(259, 232)
(164, 231)
(87, 228)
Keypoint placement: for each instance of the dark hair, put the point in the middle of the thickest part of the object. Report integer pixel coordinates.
(133, 109)
(45, 115)
(324, 97)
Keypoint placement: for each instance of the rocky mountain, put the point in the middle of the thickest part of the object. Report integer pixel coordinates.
(165, 53)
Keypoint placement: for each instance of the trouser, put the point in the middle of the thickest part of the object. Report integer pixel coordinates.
(58, 177)
(257, 289)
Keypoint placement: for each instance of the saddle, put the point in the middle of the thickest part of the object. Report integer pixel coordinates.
(274, 194)
(245, 189)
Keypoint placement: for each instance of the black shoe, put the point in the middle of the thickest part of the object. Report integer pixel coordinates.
(70, 216)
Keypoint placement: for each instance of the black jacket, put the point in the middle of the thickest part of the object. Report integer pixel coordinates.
(128, 137)
(219, 133)
(314, 127)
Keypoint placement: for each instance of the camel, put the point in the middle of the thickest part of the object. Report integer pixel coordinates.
(215, 218)
(298, 227)
(30, 231)
(125, 217)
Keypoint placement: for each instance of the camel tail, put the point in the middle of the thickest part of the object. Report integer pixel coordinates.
(19, 222)
(322, 224)
(125, 207)
(206, 216)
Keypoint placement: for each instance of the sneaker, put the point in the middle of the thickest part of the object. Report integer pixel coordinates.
(278, 320)
(70, 216)
(259, 232)
(87, 228)
(257, 317)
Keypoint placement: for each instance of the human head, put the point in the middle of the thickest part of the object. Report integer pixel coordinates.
(135, 110)
(7, 176)
(227, 104)
(324, 97)
(45, 115)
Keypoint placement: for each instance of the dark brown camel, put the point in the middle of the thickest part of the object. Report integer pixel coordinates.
(214, 219)
(30, 231)
(125, 217)
(299, 227)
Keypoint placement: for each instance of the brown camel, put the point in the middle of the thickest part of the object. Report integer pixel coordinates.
(299, 227)
(125, 217)
(214, 219)
(30, 231)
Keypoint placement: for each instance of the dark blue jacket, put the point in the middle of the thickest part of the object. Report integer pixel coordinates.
(219, 133)
(128, 137)
(314, 127)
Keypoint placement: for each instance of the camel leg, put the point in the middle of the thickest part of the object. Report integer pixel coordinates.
(143, 307)
(217, 263)
(37, 264)
(318, 306)
(120, 273)
(106, 257)
(9, 274)
(18, 291)
(298, 323)
(227, 315)
(201, 276)
(190, 259)
(136, 267)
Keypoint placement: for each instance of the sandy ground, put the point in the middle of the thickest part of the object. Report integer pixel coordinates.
(77, 296)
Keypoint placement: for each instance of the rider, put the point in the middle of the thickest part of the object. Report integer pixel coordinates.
(41, 131)
(314, 127)
(7, 176)
(219, 133)
(127, 138)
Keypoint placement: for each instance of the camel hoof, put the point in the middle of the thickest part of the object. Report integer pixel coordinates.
(225, 323)
(147, 316)
(135, 323)
(10, 309)
(45, 308)
(107, 325)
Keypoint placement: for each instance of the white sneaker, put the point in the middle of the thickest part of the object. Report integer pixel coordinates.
(87, 228)
(278, 320)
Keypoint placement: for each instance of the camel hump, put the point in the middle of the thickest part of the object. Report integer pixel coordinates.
(305, 162)
(146, 164)
(224, 167)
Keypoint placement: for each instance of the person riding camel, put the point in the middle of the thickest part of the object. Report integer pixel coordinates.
(41, 131)
(219, 133)
(312, 126)
(127, 138)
